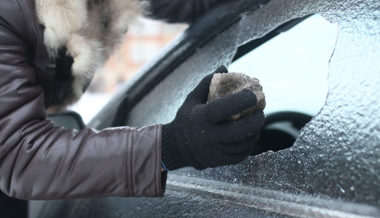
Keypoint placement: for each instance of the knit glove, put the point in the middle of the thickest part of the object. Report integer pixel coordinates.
(202, 134)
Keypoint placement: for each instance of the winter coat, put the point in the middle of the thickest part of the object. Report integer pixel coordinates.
(49, 52)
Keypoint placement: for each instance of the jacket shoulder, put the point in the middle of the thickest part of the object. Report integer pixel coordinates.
(15, 16)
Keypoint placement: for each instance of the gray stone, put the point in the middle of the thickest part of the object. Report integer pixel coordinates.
(225, 84)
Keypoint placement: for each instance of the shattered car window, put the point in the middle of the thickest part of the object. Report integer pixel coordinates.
(293, 66)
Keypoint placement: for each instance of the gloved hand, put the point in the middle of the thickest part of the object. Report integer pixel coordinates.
(202, 134)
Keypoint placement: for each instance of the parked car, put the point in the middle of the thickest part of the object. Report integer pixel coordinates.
(323, 155)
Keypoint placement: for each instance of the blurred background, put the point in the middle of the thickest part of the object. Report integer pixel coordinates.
(144, 40)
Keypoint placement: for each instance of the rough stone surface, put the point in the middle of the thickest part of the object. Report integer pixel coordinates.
(225, 84)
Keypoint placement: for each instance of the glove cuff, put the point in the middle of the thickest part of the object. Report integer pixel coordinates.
(172, 156)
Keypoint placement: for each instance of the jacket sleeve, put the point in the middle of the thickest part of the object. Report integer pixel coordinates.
(177, 11)
(39, 161)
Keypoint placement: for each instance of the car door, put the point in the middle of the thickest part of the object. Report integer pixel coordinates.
(331, 168)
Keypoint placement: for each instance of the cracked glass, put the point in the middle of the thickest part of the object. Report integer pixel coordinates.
(335, 157)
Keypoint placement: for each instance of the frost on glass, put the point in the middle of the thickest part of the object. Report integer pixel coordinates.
(336, 156)
(338, 153)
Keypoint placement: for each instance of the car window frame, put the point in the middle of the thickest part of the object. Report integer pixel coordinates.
(152, 75)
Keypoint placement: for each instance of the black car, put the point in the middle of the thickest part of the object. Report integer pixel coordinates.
(322, 156)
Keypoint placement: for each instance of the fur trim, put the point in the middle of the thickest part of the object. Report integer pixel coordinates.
(90, 29)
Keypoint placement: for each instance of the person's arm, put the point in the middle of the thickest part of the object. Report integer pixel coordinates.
(177, 11)
(40, 161)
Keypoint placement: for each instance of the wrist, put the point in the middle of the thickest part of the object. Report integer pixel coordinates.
(172, 157)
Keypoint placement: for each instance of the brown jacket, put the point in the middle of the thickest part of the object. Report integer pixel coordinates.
(40, 161)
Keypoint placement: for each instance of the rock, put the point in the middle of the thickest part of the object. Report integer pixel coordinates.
(224, 84)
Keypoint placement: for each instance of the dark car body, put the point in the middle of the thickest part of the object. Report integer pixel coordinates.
(332, 170)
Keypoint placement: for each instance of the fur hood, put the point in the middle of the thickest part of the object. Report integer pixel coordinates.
(89, 29)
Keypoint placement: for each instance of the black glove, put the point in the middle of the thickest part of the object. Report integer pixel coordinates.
(202, 135)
